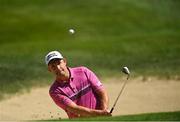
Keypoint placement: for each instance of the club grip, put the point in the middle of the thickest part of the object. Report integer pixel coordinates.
(112, 110)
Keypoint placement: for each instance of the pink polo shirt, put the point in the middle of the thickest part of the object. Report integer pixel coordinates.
(80, 89)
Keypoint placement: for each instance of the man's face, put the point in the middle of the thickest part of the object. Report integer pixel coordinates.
(58, 67)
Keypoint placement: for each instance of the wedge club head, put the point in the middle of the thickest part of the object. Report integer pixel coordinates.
(125, 70)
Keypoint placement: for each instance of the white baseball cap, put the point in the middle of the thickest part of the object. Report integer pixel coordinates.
(52, 55)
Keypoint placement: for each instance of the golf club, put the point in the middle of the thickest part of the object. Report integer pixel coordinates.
(125, 70)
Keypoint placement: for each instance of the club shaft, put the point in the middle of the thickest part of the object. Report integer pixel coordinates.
(119, 95)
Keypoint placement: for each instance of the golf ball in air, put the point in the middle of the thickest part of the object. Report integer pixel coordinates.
(71, 31)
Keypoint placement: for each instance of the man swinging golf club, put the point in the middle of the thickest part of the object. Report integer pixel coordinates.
(77, 90)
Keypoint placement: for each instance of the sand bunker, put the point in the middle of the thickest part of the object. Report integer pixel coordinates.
(138, 97)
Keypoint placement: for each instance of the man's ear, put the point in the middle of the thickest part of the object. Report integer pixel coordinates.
(49, 69)
(65, 61)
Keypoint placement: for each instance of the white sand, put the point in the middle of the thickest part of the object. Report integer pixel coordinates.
(138, 97)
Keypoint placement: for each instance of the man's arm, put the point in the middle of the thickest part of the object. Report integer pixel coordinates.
(102, 98)
(68, 105)
(85, 112)
(98, 88)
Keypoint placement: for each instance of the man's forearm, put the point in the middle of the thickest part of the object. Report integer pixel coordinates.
(103, 99)
(86, 112)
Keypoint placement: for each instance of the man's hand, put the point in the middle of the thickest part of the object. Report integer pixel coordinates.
(106, 113)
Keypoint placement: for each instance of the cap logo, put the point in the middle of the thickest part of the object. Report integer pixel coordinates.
(51, 55)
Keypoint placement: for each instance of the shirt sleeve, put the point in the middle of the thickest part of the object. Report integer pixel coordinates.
(60, 100)
(93, 79)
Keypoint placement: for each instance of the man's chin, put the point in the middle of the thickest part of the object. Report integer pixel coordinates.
(59, 74)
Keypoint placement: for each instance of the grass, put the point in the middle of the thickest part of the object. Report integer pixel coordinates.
(141, 34)
(161, 116)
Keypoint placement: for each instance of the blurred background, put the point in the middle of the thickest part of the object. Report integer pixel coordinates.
(141, 34)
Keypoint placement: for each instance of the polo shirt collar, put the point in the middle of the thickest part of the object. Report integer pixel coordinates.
(71, 73)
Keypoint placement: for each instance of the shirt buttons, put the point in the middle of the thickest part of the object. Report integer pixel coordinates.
(74, 89)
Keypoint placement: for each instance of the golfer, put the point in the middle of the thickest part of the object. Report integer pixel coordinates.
(77, 90)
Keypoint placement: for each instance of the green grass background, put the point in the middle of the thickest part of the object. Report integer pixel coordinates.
(141, 34)
(161, 116)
